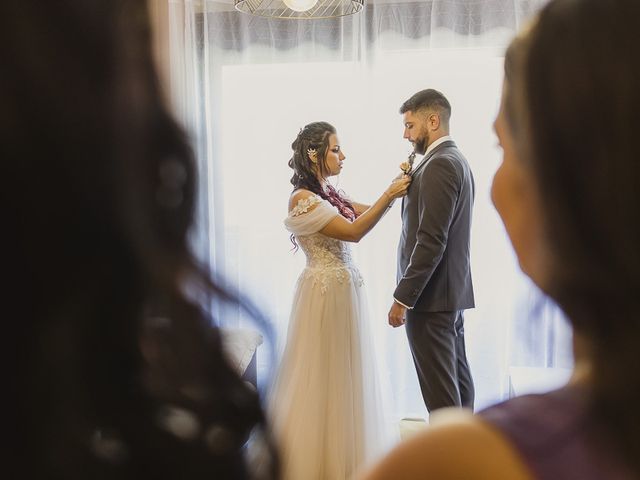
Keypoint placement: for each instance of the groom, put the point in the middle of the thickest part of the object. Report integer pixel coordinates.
(434, 275)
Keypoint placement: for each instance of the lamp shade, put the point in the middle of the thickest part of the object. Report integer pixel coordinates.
(299, 9)
(300, 5)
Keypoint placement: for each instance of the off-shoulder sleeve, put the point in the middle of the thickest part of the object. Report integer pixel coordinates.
(305, 220)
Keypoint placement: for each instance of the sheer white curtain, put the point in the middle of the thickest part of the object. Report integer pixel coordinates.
(244, 86)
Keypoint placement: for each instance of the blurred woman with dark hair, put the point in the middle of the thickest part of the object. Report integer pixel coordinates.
(568, 192)
(117, 372)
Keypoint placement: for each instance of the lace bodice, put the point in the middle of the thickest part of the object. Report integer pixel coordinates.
(325, 252)
(327, 258)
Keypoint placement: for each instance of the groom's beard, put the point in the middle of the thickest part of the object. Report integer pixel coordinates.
(420, 145)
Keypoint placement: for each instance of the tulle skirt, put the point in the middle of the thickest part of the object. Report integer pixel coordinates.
(327, 406)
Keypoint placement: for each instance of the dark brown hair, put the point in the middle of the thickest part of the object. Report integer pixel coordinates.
(108, 344)
(315, 136)
(574, 85)
(426, 99)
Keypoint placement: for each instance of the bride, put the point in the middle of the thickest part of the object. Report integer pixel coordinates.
(326, 403)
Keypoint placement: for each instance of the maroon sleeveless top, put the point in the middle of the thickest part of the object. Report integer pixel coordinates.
(556, 438)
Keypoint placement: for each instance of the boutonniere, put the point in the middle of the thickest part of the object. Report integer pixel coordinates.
(408, 165)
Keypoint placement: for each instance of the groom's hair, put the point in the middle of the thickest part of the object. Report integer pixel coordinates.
(429, 99)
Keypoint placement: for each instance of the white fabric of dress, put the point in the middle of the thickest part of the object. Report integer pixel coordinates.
(326, 405)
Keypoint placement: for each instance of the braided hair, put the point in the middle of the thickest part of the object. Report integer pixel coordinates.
(315, 136)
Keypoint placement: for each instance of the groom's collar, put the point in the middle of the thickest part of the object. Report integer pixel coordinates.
(431, 149)
(438, 142)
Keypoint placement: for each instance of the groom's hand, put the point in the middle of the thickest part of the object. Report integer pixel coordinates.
(397, 315)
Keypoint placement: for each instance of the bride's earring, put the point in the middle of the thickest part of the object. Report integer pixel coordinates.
(313, 155)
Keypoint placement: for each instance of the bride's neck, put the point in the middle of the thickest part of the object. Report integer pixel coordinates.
(324, 184)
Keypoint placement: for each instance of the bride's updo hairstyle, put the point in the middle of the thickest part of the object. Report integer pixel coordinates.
(315, 136)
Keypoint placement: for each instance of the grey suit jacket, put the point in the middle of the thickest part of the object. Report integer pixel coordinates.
(434, 272)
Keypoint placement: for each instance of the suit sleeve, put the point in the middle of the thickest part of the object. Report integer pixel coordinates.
(439, 192)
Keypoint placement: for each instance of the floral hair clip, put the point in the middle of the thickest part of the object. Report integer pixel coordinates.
(313, 154)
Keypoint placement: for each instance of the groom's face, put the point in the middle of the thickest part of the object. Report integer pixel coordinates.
(416, 131)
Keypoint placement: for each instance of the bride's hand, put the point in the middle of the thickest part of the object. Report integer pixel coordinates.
(398, 187)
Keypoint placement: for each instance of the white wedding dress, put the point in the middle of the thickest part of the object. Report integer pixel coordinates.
(326, 405)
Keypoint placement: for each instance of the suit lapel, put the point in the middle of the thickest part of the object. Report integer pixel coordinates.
(448, 143)
(423, 162)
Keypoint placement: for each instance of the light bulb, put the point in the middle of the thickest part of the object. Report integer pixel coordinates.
(300, 5)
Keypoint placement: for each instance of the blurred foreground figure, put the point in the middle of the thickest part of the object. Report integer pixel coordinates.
(115, 371)
(568, 192)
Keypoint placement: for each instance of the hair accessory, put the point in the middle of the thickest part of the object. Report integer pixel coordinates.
(313, 154)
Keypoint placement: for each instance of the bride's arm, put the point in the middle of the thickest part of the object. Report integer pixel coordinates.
(343, 229)
(360, 208)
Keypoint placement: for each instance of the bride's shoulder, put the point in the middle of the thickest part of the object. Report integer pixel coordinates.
(302, 201)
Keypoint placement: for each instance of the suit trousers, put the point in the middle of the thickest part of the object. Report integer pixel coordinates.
(437, 344)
